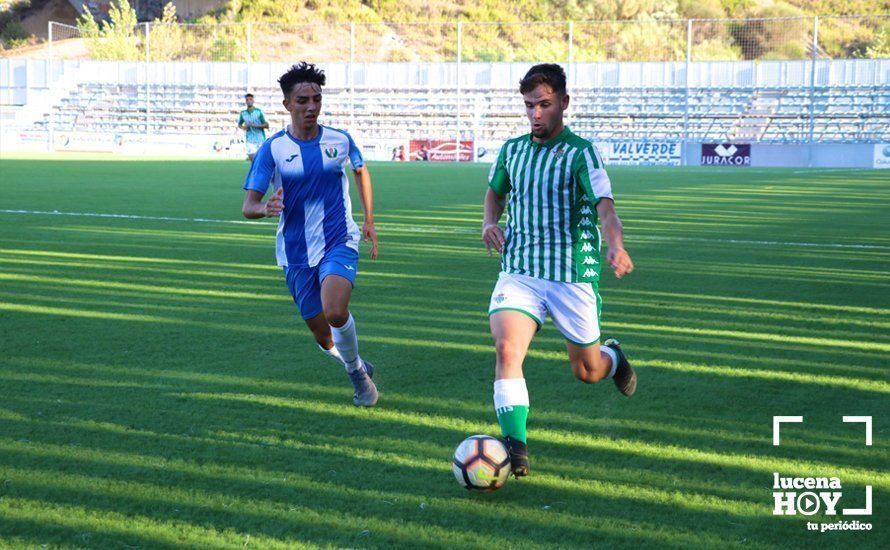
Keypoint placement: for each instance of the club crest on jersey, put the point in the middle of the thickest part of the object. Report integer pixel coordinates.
(330, 152)
(559, 152)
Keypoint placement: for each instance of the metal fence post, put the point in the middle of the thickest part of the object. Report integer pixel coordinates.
(571, 60)
(813, 78)
(459, 54)
(49, 87)
(571, 44)
(349, 76)
(49, 58)
(147, 88)
(249, 56)
(686, 99)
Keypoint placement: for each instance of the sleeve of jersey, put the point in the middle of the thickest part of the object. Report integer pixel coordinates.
(591, 175)
(498, 178)
(355, 156)
(262, 118)
(240, 118)
(261, 170)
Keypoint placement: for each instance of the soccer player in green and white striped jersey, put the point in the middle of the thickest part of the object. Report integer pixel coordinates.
(556, 190)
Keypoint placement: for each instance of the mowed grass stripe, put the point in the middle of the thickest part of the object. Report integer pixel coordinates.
(161, 389)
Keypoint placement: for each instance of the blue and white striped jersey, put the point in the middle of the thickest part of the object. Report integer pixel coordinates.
(317, 214)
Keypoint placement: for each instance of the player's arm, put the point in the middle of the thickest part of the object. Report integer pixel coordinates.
(254, 207)
(590, 174)
(495, 202)
(241, 124)
(264, 124)
(613, 232)
(366, 196)
(492, 234)
(257, 183)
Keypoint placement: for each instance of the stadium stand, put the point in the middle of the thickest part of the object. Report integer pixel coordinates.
(781, 115)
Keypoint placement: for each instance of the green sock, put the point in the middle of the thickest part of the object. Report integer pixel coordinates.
(513, 421)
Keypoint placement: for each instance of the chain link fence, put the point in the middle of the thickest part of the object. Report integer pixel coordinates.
(580, 42)
(629, 41)
(452, 94)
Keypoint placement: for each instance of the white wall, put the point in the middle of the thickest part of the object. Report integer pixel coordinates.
(19, 76)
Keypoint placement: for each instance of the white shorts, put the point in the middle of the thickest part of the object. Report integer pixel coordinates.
(251, 148)
(574, 307)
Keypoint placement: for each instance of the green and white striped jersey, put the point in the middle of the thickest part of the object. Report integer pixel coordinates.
(552, 230)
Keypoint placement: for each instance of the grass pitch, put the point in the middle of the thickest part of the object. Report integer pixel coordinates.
(159, 389)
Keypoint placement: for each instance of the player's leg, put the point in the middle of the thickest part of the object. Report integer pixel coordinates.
(306, 292)
(321, 331)
(337, 274)
(335, 294)
(590, 364)
(574, 308)
(515, 315)
(512, 332)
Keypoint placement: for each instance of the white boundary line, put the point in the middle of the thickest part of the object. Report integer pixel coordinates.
(442, 229)
(120, 216)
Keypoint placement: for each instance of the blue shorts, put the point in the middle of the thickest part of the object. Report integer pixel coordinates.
(304, 283)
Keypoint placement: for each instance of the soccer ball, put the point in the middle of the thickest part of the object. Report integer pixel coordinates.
(481, 463)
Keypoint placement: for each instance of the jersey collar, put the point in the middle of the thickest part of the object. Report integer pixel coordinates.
(561, 137)
(316, 139)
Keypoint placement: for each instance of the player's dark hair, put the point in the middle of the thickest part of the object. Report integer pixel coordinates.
(247, 95)
(300, 73)
(550, 74)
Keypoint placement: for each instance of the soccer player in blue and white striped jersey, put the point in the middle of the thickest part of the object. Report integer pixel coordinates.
(317, 242)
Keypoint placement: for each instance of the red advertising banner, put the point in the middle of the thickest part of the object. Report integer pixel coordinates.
(439, 150)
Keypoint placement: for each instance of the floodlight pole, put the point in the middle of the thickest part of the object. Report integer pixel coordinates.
(459, 53)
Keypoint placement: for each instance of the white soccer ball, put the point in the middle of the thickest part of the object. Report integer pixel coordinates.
(481, 463)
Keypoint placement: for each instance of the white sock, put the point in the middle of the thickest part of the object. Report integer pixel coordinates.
(611, 353)
(510, 392)
(346, 342)
(332, 353)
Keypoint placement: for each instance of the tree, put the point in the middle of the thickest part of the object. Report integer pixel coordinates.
(115, 39)
(166, 36)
